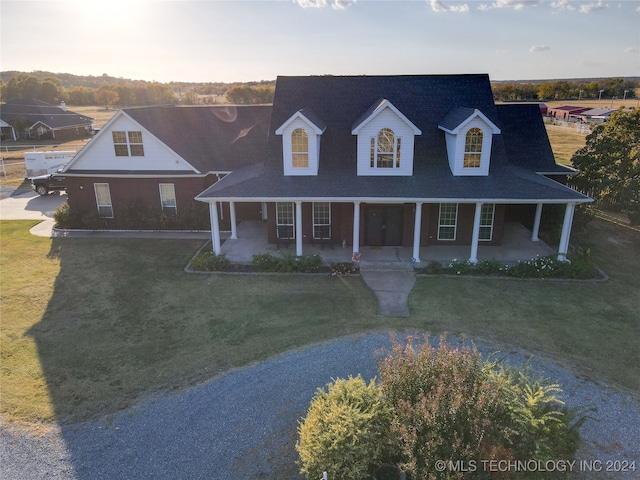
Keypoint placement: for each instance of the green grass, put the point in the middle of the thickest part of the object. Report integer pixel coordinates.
(91, 326)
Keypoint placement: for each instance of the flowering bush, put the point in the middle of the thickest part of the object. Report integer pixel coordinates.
(343, 268)
(210, 262)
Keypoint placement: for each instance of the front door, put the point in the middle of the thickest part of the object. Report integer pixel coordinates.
(383, 225)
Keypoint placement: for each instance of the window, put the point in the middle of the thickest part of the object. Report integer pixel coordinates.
(385, 150)
(128, 143)
(168, 199)
(300, 148)
(473, 148)
(486, 222)
(321, 220)
(447, 221)
(284, 220)
(103, 200)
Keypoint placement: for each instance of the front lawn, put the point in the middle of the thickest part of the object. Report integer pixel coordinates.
(90, 326)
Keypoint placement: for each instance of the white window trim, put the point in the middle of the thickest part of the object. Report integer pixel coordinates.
(455, 224)
(396, 161)
(127, 142)
(98, 204)
(490, 226)
(292, 224)
(315, 224)
(163, 201)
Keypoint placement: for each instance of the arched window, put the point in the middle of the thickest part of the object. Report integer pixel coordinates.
(473, 148)
(300, 148)
(385, 150)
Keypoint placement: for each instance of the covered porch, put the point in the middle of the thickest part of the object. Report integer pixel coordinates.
(517, 245)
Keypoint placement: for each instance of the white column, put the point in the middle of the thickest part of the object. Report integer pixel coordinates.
(476, 234)
(298, 229)
(563, 248)
(232, 214)
(356, 228)
(215, 227)
(536, 223)
(416, 232)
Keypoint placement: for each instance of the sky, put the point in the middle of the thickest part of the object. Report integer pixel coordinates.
(228, 41)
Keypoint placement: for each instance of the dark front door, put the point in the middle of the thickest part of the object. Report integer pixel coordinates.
(383, 225)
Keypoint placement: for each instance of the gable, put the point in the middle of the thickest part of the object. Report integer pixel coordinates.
(99, 155)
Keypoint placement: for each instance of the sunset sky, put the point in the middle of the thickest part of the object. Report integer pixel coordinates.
(211, 41)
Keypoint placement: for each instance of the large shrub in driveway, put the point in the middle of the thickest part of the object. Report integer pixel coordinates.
(345, 432)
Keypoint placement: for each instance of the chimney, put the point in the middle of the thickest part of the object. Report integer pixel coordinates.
(63, 106)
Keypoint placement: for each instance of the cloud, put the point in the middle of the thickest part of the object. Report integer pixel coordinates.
(438, 6)
(592, 7)
(563, 5)
(335, 4)
(515, 4)
(631, 50)
(539, 48)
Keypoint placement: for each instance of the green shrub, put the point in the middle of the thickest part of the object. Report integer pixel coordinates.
(342, 268)
(210, 262)
(489, 267)
(265, 262)
(64, 217)
(461, 267)
(540, 426)
(345, 432)
(434, 267)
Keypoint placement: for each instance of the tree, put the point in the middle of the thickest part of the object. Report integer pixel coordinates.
(106, 96)
(609, 163)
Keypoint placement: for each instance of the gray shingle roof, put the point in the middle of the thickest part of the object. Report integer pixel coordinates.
(211, 138)
(34, 111)
(521, 150)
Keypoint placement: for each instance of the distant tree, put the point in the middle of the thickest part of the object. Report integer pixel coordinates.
(80, 96)
(49, 90)
(244, 94)
(106, 96)
(609, 163)
(189, 98)
(22, 86)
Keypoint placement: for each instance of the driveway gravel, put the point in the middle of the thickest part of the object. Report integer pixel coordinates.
(242, 425)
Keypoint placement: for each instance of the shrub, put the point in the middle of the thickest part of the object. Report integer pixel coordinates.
(210, 262)
(345, 432)
(540, 426)
(434, 267)
(65, 217)
(444, 405)
(343, 268)
(265, 262)
(459, 267)
(489, 267)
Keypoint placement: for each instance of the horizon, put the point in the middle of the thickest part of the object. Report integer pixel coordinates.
(192, 41)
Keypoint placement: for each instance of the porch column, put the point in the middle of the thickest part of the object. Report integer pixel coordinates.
(563, 248)
(215, 227)
(356, 228)
(536, 223)
(416, 233)
(476, 234)
(232, 213)
(298, 229)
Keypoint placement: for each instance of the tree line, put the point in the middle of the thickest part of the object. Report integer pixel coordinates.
(565, 89)
(107, 90)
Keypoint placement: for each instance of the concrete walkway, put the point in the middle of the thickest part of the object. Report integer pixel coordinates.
(391, 282)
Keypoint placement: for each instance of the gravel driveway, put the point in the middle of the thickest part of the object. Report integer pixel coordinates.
(242, 425)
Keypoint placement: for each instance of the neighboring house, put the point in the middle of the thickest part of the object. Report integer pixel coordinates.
(7, 132)
(396, 160)
(565, 112)
(161, 157)
(33, 118)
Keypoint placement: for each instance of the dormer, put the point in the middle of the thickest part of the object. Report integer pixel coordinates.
(468, 134)
(385, 141)
(301, 143)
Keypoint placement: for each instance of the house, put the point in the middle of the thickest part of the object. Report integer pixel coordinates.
(565, 112)
(33, 118)
(414, 161)
(159, 158)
